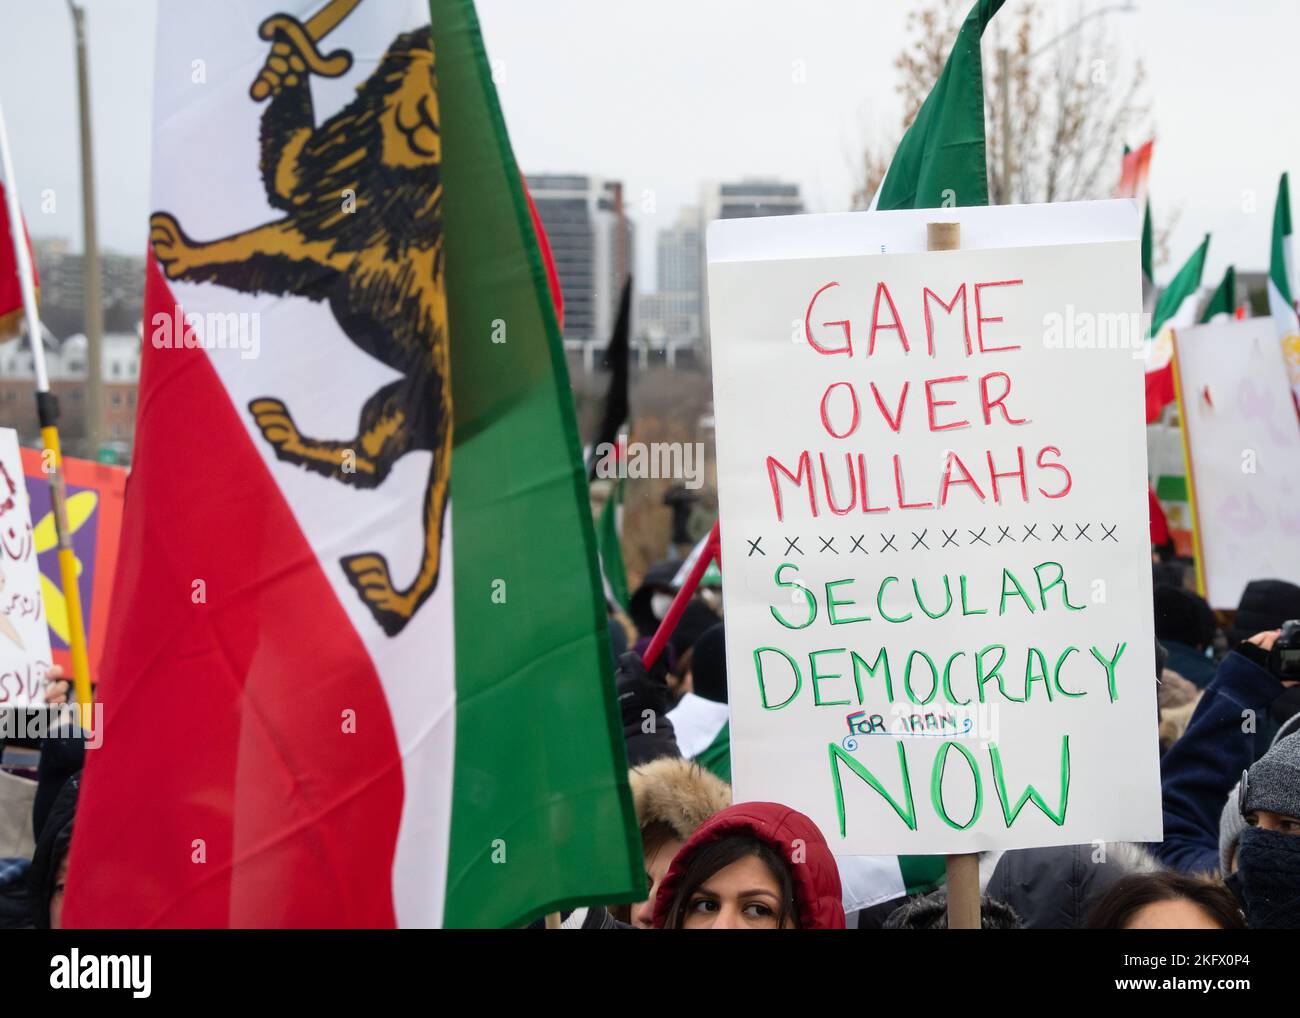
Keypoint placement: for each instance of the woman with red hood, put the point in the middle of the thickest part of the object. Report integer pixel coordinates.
(756, 865)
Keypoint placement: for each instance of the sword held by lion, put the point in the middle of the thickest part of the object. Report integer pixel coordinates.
(379, 266)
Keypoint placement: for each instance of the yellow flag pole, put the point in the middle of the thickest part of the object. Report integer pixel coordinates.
(47, 411)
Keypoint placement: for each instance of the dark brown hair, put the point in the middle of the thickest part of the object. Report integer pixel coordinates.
(655, 835)
(718, 855)
(1128, 896)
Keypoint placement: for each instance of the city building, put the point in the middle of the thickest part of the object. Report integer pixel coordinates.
(669, 319)
(750, 197)
(62, 275)
(66, 365)
(591, 241)
(742, 199)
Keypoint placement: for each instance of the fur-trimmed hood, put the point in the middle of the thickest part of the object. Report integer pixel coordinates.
(678, 793)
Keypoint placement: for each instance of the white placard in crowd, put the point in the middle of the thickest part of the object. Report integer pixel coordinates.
(934, 523)
(24, 634)
(1243, 438)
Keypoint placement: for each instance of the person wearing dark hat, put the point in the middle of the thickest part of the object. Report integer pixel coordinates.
(709, 665)
(1268, 858)
(1264, 605)
(649, 602)
(695, 620)
(1185, 625)
(1223, 738)
(701, 717)
(643, 703)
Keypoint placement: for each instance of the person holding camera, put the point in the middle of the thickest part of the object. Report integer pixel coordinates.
(1222, 740)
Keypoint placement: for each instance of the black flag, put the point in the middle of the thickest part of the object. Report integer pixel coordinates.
(616, 363)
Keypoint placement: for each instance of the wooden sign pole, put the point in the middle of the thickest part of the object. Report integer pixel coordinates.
(963, 869)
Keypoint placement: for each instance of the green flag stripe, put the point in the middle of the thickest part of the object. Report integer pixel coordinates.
(1224, 300)
(922, 873)
(1148, 263)
(611, 550)
(1277, 267)
(716, 757)
(541, 811)
(1180, 287)
(941, 160)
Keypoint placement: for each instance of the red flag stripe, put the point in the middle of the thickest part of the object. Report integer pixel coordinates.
(229, 717)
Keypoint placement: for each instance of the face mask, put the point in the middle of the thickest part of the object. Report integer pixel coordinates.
(660, 603)
(1269, 869)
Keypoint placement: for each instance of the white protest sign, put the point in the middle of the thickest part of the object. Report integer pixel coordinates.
(1243, 439)
(936, 558)
(24, 634)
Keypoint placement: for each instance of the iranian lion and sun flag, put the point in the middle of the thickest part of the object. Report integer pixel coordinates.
(357, 671)
(340, 688)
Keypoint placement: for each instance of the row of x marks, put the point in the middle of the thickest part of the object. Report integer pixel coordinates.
(919, 540)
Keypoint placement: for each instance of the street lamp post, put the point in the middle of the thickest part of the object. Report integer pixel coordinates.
(92, 279)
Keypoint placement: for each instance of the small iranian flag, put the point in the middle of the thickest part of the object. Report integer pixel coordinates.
(609, 542)
(1134, 172)
(359, 671)
(1223, 302)
(1281, 293)
(1175, 309)
(1148, 263)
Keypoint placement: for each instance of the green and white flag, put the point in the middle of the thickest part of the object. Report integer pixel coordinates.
(1281, 292)
(540, 761)
(400, 707)
(1176, 306)
(609, 531)
(1148, 263)
(1281, 265)
(941, 160)
(712, 575)
(1175, 309)
(1223, 302)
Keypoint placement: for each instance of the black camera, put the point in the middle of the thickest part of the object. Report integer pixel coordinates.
(1284, 658)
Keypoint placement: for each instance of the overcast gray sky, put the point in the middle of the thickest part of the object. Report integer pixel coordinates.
(667, 94)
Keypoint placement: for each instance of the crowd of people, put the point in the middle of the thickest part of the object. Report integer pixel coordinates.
(1229, 734)
(1230, 776)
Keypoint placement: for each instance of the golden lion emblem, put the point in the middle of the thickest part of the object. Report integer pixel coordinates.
(362, 231)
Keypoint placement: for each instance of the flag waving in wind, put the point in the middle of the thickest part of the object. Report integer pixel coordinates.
(1134, 172)
(941, 160)
(1175, 309)
(1133, 184)
(1223, 302)
(358, 655)
(11, 297)
(1281, 294)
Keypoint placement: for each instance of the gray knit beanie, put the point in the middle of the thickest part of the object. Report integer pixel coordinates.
(1273, 781)
(1231, 824)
